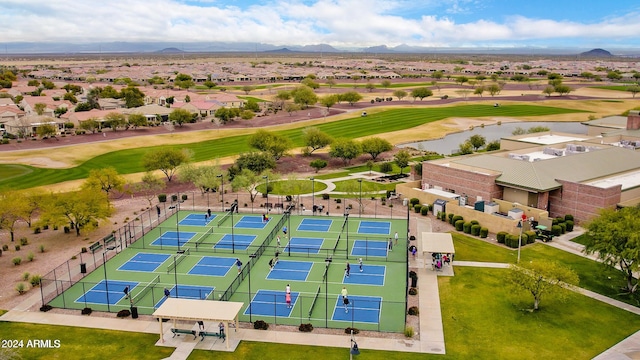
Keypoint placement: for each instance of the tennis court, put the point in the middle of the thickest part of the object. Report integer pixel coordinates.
(197, 260)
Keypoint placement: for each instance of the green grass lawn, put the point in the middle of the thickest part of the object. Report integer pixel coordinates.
(129, 161)
(11, 171)
(258, 100)
(282, 187)
(353, 187)
(615, 87)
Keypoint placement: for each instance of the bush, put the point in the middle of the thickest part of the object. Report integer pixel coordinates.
(556, 230)
(475, 229)
(456, 218)
(338, 201)
(408, 331)
(35, 280)
(474, 222)
(21, 288)
(184, 197)
(174, 197)
(24, 241)
(260, 325)
(16, 261)
(466, 228)
(66, 230)
(45, 308)
(325, 196)
(459, 225)
(17, 247)
(86, 311)
(414, 201)
(568, 217)
(41, 248)
(569, 225)
(350, 329)
(162, 198)
(413, 310)
(443, 216)
(5, 247)
(450, 217)
(563, 227)
(83, 250)
(512, 241)
(554, 221)
(305, 327)
(413, 291)
(531, 236)
(25, 276)
(417, 208)
(37, 230)
(424, 211)
(30, 256)
(123, 313)
(484, 232)
(501, 237)
(386, 167)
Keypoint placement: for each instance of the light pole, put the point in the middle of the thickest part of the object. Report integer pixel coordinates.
(233, 247)
(178, 223)
(346, 219)
(326, 292)
(222, 188)
(251, 257)
(313, 195)
(266, 191)
(106, 281)
(360, 208)
(175, 274)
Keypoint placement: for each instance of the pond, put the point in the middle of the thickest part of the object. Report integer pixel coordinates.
(449, 144)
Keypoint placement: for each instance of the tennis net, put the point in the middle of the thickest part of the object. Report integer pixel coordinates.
(145, 290)
(177, 260)
(203, 236)
(326, 269)
(313, 303)
(224, 218)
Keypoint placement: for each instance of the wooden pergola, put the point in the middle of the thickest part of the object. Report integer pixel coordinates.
(198, 310)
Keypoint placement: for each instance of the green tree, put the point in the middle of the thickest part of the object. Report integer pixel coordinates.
(385, 84)
(310, 83)
(465, 148)
(115, 120)
(109, 92)
(273, 143)
(461, 80)
(518, 131)
(318, 164)
(247, 89)
(345, 149)
(562, 89)
(494, 89)
(183, 81)
(255, 161)
(614, 75)
(548, 90)
(247, 114)
(331, 82)
(479, 91)
(493, 145)
(537, 129)
(203, 177)
(437, 75)
(401, 158)
(477, 141)
(105, 179)
(291, 108)
(132, 96)
(48, 84)
(304, 96)
(149, 186)
(421, 93)
(375, 146)
(315, 139)
(166, 160)
(91, 124)
(209, 84)
(400, 94)
(633, 90)
(180, 116)
(248, 180)
(82, 209)
(328, 101)
(370, 87)
(350, 97)
(46, 130)
(70, 97)
(281, 97)
(614, 237)
(40, 108)
(252, 105)
(137, 120)
(33, 82)
(11, 203)
(542, 278)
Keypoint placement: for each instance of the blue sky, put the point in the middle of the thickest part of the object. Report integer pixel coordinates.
(341, 23)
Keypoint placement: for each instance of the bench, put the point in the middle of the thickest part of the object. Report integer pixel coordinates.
(202, 334)
(177, 332)
(108, 240)
(95, 247)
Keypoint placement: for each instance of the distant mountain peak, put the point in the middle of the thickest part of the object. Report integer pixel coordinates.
(596, 53)
(171, 50)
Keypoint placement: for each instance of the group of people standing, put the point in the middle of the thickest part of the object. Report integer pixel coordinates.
(438, 260)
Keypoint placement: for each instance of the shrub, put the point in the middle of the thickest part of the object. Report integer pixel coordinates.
(25, 276)
(5, 247)
(35, 280)
(306, 327)
(17, 247)
(30, 256)
(174, 197)
(417, 208)
(556, 230)
(414, 201)
(350, 329)
(443, 216)
(325, 196)
(456, 218)
(386, 167)
(512, 241)
(408, 331)
(37, 230)
(413, 291)
(474, 222)
(338, 201)
(484, 232)
(41, 248)
(501, 236)
(569, 225)
(45, 308)
(21, 288)
(83, 250)
(162, 198)
(123, 313)
(459, 225)
(563, 227)
(413, 310)
(475, 229)
(568, 217)
(466, 228)
(66, 230)
(16, 261)
(86, 311)
(424, 211)
(450, 217)
(24, 241)
(260, 325)
(184, 197)
(531, 236)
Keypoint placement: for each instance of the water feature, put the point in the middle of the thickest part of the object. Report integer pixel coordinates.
(449, 144)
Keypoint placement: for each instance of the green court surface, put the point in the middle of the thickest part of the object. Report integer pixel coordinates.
(194, 257)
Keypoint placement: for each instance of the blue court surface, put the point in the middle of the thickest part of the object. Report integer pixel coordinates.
(188, 292)
(290, 270)
(106, 292)
(374, 227)
(212, 266)
(251, 222)
(271, 303)
(173, 238)
(144, 262)
(365, 309)
(369, 248)
(238, 242)
(322, 225)
(197, 219)
(304, 245)
(370, 275)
